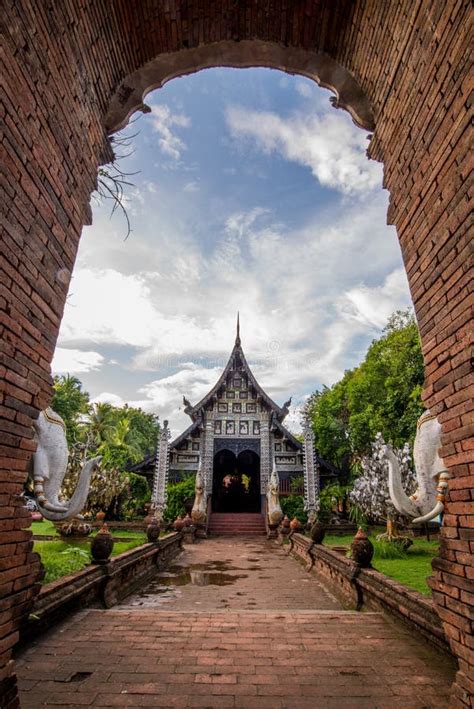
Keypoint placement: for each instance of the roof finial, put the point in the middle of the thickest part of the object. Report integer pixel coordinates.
(237, 338)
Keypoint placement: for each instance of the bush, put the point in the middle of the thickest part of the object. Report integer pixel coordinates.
(178, 493)
(137, 495)
(293, 506)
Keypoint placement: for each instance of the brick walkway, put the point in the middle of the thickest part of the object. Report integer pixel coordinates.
(272, 638)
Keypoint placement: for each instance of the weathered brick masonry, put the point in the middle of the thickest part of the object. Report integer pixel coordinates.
(64, 64)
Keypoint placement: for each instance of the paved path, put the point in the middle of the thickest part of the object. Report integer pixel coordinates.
(273, 637)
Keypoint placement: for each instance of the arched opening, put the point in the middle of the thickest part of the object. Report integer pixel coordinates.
(236, 482)
(322, 68)
(421, 136)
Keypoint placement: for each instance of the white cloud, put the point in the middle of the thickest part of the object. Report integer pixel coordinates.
(304, 296)
(373, 306)
(75, 361)
(164, 121)
(326, 142)
(165, 396)
(106, 397)
(304, 89)
(239, 223)
(191, 187)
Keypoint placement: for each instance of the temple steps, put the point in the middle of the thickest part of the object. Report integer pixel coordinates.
(245, 523)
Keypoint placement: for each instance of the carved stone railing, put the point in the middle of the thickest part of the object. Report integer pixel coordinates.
(367, 589)
(103, 585)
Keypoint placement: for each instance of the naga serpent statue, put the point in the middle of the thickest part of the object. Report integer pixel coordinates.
(49, 469)
(199, 511)
(427, 502)
(274, 512)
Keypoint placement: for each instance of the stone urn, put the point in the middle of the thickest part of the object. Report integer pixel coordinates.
(188, 505)
(153, 530)
(179, 524)
(362, 549)
(188, 522)
(317, 533)
(295, 524)
(149, 514)
(102, 545)
(285, 526)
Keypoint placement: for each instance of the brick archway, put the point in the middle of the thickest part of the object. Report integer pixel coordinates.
(68, 70)
(320, 67)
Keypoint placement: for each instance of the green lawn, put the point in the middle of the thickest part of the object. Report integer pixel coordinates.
(47, 529)
(411, 570)
(62, 558)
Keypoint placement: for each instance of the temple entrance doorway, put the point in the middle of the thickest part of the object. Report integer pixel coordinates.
(236, 482)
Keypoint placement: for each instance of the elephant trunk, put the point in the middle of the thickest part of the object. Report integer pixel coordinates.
(79, 497)
(438, 509)
(400, 500)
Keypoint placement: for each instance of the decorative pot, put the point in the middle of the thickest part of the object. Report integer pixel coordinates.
(362, 549)
(295, 524)
(100, 516)
(153, 530)
(188, 521)
(102, 545)
(178, 524)
(285, 526)
(188, 505)
(317, 533)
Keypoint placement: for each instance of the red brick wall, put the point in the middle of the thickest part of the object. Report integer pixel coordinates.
(62, 63)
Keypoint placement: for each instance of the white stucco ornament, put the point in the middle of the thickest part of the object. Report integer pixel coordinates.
(199, 511)
(427, 502)
(50, 466)
(274, 511)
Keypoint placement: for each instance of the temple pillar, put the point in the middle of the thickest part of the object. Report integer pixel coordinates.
(208, 454)
(311, 475)
(160, 475)
(265, 466)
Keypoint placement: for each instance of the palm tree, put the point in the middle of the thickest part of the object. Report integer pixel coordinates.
(102, 422)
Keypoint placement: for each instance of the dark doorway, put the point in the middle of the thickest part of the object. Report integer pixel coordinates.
(236, 482)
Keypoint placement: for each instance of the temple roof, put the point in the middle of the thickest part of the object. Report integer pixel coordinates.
(286, 433)
(237, 362)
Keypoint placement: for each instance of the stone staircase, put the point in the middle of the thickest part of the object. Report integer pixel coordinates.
(244, 523)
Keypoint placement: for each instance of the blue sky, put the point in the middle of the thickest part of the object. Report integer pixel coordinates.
(253, 194)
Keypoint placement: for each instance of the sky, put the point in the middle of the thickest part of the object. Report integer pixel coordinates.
(250, 193)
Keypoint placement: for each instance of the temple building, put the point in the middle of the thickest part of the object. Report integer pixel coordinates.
(237, 435)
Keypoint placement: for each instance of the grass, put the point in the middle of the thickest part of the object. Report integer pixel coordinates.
(43, 528)
(410, 569)
(61, 558)
(47, 529)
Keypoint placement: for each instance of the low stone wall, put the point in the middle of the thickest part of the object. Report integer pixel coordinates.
(368, 589)
(99, 585)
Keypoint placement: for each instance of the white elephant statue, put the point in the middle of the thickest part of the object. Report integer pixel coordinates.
(274, 511)
(199, 511)
(427, 502)
(49, 469)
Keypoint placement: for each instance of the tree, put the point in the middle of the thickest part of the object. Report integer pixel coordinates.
(370, 492)
(382, 394)
(71, 403)
(329, 413)
(101, 422)
(121, 435)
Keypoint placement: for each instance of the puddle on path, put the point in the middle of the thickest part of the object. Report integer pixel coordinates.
(213, 573)
(166, 585)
